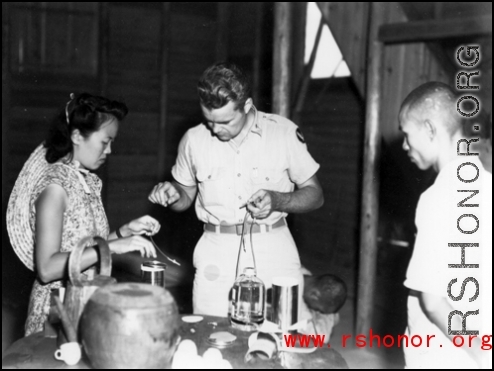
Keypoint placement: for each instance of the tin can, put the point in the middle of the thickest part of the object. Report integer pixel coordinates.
(153, 272)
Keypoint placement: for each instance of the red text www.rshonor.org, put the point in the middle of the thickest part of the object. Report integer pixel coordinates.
(387, 341)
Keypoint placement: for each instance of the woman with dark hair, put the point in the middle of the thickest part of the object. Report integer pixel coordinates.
(56, 200)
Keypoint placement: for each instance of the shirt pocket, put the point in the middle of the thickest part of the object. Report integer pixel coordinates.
(213, 186)
(266, 178)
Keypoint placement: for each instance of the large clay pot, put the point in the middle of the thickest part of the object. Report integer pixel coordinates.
(130, 325)
(79, 287)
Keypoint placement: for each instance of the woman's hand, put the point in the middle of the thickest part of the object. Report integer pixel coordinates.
(133, 243)
(144, 225)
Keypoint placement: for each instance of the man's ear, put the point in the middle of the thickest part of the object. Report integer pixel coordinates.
(431, 128)
(248, 105)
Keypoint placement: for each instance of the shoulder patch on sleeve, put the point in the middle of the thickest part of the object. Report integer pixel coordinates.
(300, 136)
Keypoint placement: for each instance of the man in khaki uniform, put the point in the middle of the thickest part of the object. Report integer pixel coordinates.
(240, 163)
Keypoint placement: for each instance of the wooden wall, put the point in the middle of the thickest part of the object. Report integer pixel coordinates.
(149, 55)
(332, 124)
(405, 67)
(113, 49)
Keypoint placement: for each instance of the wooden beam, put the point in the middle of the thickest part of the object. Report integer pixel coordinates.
(435, 47)
(281, 58)
(304, 85)
(370, 189)
(104, 46)
(222, 31)
(298, 26)
(430, 30)
(5, 98)
(165, 83)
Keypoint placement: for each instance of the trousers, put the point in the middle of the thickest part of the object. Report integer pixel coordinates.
(215, 261)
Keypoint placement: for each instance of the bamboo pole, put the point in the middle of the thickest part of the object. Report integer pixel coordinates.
(281, 58)
(370, 189)
(165, 78)
(5, 95)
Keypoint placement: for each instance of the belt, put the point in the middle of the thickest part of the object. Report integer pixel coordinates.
(237, 228)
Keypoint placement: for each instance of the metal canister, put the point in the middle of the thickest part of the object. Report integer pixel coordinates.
(153, 272)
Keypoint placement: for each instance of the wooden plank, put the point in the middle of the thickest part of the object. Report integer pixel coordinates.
(370, 191)
(164, 96)
(138, 96)
(135, 27)
(195, 29)
(299, 23)
(128, 168)
(444, 59)
(256, 60)
(127, 200)
(282, 54)
(60, 7)
(428, 30)
(48, 90)
(242, 34)
(222, 30)
(137, 134)
(406, 66)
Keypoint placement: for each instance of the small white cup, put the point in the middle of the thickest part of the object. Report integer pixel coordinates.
(70, 353)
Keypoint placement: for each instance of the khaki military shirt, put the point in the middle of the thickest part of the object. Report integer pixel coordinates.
(273, 156)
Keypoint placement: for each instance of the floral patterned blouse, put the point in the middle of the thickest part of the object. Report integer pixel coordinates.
(84, 216)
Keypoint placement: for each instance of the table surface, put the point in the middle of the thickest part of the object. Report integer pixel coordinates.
(36, 351)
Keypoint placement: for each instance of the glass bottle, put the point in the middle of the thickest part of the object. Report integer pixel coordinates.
(248, 301)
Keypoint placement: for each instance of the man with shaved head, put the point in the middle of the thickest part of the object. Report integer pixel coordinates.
(450, 271)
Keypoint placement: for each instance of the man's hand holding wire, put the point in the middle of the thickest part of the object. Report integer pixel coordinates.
(260, 204)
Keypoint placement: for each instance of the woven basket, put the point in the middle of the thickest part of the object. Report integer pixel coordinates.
(18, 210)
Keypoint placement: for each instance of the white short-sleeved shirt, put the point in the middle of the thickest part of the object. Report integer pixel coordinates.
(438, 219)
(273, 156)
